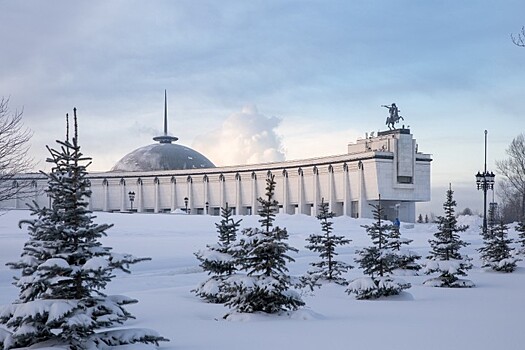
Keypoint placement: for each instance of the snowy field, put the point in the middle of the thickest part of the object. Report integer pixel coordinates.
(489, 316)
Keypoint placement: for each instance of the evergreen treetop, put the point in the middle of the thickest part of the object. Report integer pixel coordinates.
(269, 206)
(228, 227)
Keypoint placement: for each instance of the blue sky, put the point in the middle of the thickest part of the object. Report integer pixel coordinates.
(317, 72)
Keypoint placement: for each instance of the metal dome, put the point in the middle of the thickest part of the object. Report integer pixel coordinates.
(163, 155)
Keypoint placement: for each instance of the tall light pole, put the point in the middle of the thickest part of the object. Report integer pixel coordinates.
(484, 182)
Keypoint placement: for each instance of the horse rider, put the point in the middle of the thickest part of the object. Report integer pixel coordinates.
(394, 112)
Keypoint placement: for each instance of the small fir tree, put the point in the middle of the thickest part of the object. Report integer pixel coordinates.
(328, 269)
(64, 269)
(263, 254)
(404, 259)
(219, 260)
(420, 219)
(426, 219)
(378, 262)
(496, 252)
(445, 257)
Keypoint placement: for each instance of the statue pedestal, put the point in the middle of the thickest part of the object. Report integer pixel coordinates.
(393, 132)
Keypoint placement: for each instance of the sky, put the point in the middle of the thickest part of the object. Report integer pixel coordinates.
(252, 81)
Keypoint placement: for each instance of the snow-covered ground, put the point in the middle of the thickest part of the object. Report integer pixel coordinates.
(489, 316)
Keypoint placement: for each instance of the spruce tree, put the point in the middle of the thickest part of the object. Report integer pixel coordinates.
(377, 261)
(218, 259)
(64, 268)
(426, 219)
(328, 269)
(496, 252)
(262, 255)
(420, 219)
(404, 259)
(445, 257)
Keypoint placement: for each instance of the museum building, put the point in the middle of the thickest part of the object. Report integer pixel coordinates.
(166, 177)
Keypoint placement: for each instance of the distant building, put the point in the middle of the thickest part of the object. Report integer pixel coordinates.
(166, 177)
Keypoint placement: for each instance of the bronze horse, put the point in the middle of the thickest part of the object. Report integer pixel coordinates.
(394, 116)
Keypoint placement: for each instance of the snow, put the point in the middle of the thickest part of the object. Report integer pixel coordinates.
(451, 266)
(487, 316)
(55, 262)
(96, 263)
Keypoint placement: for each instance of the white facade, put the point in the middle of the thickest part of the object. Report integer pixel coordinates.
(387, 165)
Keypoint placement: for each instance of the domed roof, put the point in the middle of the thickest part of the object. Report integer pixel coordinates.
(163, 155)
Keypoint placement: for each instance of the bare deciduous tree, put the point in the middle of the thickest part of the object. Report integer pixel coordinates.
(513, 170)
(14, 158)
(509, 207)
(519, 39)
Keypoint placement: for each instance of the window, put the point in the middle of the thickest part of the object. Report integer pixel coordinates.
(404, 179)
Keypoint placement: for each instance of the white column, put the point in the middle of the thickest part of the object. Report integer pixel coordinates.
(206, 182)
(156, 184)
(300, 180)
(362, 195)
(316, 191)
(286, 199)
(189, 191)
(140, 196)
(221, 191)
(173, 194)
(123, 199)
(238, 194)
(105, 185)
(346, 191)
(331, 190)
(254, 201)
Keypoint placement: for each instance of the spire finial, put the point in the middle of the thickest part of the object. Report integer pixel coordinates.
(165, 113)
(165, 138)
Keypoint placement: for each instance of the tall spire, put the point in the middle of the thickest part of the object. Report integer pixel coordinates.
(165, 138)
(165, 113)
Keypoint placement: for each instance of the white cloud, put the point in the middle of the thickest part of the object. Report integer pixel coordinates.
(245, 137)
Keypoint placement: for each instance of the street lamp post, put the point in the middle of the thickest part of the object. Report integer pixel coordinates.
(186, 204)
(131, 195)
(485, 182)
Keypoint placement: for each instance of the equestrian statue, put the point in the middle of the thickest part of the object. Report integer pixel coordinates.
(394, 116)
